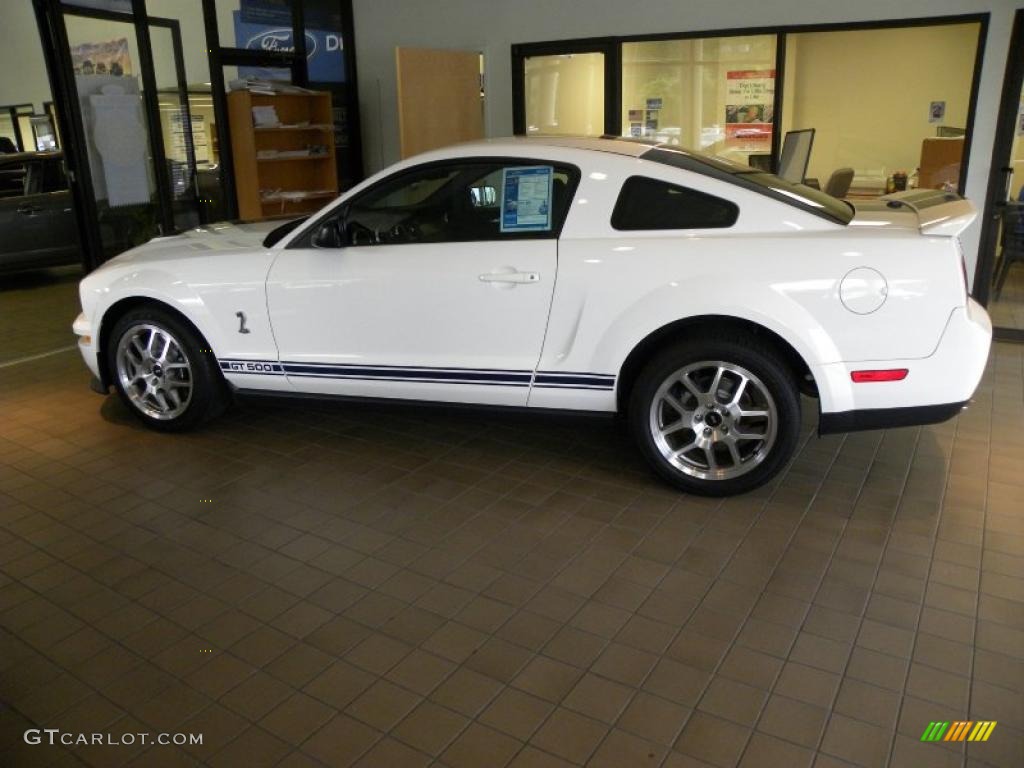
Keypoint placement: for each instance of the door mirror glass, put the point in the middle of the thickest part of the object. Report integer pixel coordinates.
(328, 235)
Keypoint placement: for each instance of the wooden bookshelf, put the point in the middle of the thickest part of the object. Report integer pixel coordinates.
(305, 120)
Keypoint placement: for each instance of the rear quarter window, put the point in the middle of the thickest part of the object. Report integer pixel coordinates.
(646, 203)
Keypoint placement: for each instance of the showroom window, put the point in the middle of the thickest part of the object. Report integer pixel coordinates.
(652, 204)
(890, 104)
(715, 94)
(902, 117)
(565, 94)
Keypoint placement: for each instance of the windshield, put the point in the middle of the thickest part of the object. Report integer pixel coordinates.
(799, 195)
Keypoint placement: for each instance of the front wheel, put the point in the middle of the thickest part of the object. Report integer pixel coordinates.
(716, 417)
(161, 371)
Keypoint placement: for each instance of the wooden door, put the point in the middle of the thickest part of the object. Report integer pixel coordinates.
(439, 101)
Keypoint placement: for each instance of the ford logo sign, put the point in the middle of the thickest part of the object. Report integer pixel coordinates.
(280, 40)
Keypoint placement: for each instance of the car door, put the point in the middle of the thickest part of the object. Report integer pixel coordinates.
(15, 243)
(433, 284)
(53, 216)
(41, 220)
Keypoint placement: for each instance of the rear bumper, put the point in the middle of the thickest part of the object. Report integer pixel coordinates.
(887, 418)
(936, 387)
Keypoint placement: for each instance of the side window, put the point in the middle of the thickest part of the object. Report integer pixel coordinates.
(414, 190)
(54, 179)
(13, 177)
(652, 204)
(416, 207)
(456, 202)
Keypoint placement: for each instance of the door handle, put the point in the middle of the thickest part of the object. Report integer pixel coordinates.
(27, 209)
(510, 277)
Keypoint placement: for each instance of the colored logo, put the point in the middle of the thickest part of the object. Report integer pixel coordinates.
(959, 730)
(280, 40)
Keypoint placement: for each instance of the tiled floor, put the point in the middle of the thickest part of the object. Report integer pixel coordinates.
(335, 585)
(1007, 310)
(36, 310)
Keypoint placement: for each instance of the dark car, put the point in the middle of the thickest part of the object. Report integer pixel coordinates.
(37, 216)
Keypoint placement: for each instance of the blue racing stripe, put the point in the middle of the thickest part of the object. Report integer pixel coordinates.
(424, 374)
(410, 374)
(577, 380)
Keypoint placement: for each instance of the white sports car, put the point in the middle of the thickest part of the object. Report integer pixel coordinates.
(697, 297)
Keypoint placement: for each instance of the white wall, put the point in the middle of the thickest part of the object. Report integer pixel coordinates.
(22, 68)
(492, 27)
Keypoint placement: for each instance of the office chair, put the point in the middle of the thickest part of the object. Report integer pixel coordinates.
(838, 184)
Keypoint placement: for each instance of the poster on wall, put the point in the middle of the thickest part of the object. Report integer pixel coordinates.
(118, 133)
(749, 105)
(178, 149)
(266, 25)
(106, 58)
(936, 111)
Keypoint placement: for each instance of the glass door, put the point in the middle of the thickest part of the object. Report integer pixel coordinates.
(999, 279)
(1006, 287)
(184, 134)
(143, 143)
(105, 58)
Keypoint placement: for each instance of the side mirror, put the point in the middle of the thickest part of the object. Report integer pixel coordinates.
(328, 235)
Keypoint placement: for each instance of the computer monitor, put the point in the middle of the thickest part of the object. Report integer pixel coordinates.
(762, 161)
(796, 153)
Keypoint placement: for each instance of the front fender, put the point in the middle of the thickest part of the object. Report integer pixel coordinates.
(210, 295)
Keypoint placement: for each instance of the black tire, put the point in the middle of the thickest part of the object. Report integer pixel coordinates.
(770, 372)
(209, 394)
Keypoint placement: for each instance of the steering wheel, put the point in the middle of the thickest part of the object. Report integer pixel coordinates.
(404, 232)
(359, 234)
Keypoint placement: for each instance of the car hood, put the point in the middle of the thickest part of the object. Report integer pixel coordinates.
(186, 269)
(200, 242)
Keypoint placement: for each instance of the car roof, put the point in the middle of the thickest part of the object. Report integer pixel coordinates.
(613, 144)
(14, 157)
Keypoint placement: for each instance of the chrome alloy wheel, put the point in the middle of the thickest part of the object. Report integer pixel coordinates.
(713, 420)
(154, 371)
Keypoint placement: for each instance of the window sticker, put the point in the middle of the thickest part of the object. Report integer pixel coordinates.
(526, 198)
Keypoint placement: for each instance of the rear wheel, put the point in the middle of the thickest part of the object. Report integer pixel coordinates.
(160, 371)
(716, 417)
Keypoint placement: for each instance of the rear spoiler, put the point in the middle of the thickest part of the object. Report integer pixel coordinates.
(945, 214)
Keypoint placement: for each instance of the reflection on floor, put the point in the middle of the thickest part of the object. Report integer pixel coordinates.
(1008, 310)
(320, 584)
(36, 311)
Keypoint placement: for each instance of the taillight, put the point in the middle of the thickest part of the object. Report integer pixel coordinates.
(885, 374)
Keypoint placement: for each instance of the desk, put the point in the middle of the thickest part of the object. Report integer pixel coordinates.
(865, 193)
